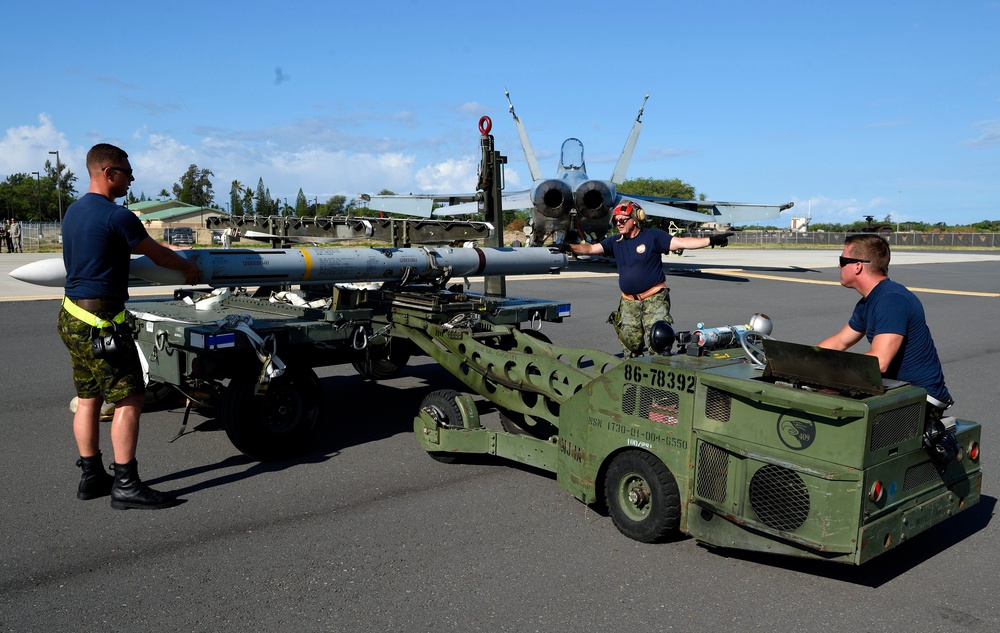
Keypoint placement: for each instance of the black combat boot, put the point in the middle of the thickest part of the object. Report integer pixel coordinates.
(130, 492)
(95, 481)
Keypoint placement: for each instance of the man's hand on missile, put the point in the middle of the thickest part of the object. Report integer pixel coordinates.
(561, 247)
(192, 274)
(720, 239)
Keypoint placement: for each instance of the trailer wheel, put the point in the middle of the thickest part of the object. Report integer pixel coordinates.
(381, 362)
(442, 405)
(642, 497)
(280, 422)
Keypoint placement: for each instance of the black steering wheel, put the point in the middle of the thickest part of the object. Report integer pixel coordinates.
(752, 343)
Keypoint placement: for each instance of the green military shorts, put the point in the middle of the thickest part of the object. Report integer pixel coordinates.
(635, 317)
(95, 377)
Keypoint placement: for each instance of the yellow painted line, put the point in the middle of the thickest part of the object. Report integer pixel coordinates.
(741, 273)
(964, 293)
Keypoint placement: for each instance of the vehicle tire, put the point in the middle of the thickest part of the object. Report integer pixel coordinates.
(382, 362)
(442, 402)
(277, 424)
(642, 497)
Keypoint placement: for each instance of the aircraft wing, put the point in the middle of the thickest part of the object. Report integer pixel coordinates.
(422, 205)
(512, 200)
(707, 210)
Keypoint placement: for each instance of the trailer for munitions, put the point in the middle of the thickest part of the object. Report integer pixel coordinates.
(804, 452)
(250, 346)
(254, 356)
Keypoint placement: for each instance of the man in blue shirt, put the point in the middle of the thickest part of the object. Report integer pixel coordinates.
(892, 319)
(99, 237)
(637, 251)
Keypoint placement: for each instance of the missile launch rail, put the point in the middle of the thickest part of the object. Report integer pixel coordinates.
(253, 359)
(398, 232)
(811, 457)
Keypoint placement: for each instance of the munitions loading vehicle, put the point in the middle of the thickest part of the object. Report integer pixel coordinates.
(806, 453)
(794, 450)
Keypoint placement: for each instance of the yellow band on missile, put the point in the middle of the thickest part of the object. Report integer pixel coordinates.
(308, 264)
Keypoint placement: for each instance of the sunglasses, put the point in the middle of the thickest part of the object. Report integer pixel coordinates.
(127, 172)
(621, 219)
(852, 260)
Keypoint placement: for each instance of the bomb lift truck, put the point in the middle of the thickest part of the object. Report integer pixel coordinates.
(793, 450)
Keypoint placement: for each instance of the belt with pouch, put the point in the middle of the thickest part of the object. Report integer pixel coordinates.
(83, 310)
(645, 295)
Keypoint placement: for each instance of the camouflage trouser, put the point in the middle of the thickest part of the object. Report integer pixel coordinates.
(95, 377)
(635, 317)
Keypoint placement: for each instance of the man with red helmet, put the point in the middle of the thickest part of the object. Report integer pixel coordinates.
(637, 251)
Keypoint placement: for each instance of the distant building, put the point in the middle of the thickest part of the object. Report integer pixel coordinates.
(800, 225)
(169, 214)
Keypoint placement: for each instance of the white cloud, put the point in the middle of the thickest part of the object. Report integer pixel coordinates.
(450, 176)
(990, 135)
(25, 148)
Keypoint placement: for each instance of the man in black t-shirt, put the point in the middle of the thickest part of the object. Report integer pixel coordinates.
(99, 237)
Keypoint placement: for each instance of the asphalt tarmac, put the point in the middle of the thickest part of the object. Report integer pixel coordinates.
(368, 533)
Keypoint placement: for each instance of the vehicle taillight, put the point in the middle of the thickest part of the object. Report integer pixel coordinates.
(973, 451)
(876, 492)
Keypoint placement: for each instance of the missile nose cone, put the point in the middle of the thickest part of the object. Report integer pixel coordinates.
(44, 272)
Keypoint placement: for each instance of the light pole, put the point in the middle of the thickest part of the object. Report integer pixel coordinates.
(38, 191)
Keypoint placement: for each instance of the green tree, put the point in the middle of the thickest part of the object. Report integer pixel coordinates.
(301, 204)
(236, 198)
(987, 226)
(672, 188)
(335, 205)
(195, 188)
(262, 199)
(248, 201)
(163, 195)
(19, 197)
(65, 180)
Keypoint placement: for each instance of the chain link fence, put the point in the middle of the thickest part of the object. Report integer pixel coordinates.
(40, 236)
(836, 239)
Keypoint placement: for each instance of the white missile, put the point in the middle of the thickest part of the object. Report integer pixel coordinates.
(249, 267)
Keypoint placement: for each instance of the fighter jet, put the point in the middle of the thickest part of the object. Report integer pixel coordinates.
(572, 204)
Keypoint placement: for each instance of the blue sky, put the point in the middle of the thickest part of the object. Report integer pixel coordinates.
(846, 108)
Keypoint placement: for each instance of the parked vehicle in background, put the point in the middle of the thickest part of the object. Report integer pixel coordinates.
(179, 236)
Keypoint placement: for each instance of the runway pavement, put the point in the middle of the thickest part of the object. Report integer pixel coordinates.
(367, 533)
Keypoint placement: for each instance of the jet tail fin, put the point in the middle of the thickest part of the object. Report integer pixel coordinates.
(529, 153)
(618, 177)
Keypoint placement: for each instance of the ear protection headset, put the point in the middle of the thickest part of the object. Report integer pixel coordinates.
(631, 209)
(107, 345)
